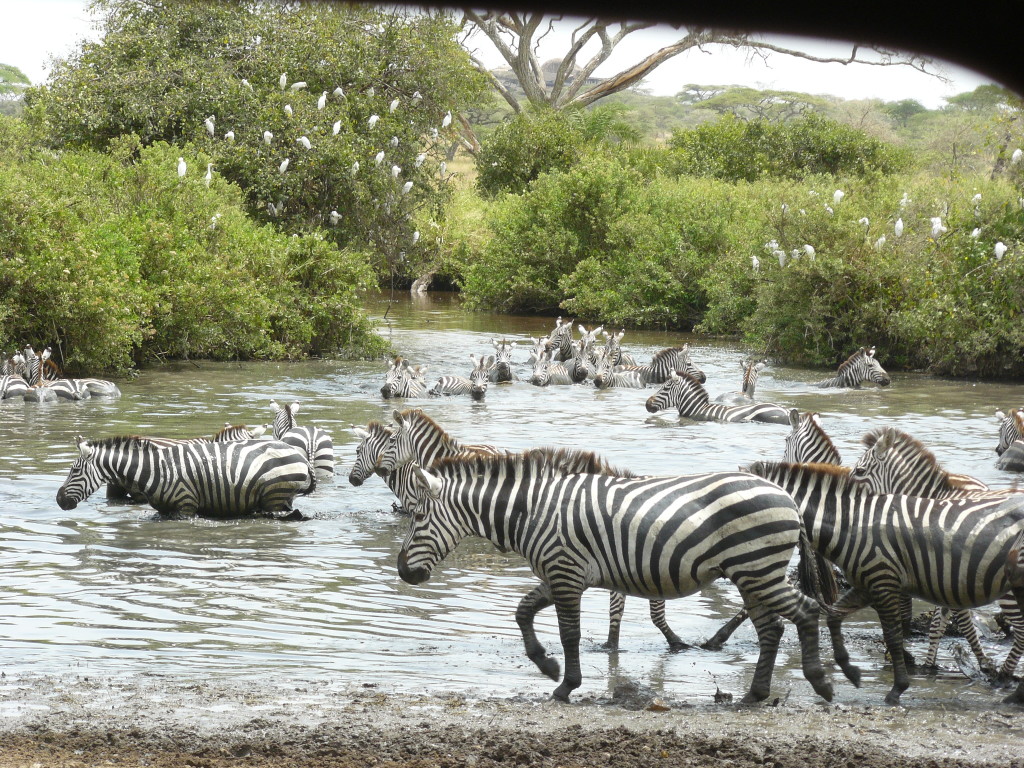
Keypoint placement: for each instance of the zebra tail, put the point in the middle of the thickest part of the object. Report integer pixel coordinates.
(816, 576)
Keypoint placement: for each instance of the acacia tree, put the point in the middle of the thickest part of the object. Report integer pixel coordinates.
(517, 37)
(13, 83)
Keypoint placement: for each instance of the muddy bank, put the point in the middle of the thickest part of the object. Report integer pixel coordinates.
(75, 720)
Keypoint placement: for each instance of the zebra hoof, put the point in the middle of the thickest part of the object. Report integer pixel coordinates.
(551, 668)
(295, 515)
(561, 693)
(675, 646)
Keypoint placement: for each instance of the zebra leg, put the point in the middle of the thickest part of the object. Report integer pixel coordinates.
(965, 624)
(659, 620)
(936, 629)
(1009, 607)
(1017, 697)
(769, 630)
(536, 600)
(567, 604)
(616, 607)
(888, 610)
(718, 639)
(849, 602)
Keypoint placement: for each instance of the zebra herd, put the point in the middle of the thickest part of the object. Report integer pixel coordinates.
(35, 377)
(895, 526)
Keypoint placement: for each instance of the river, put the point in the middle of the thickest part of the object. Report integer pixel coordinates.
(110, 589)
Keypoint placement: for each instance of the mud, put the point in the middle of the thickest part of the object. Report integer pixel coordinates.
(146, 720)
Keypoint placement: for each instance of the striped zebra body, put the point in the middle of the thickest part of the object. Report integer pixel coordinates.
(1011, 428)
(1012, 459)
(578, 366)
(859, 367)
(217, 479)
(99, 387)
(652, 537)
(959, 553)
(404, 380)
(613, 349)
(313, 441)
(538, 348)
(12, 385)
(751, 369)
(547, 372)
(475, 385)
(501, 369)
(419, 441)
(238, 432)
(559, 341)
(607, 375)
(683, 392)
(59, 389)
(895, 462)
(666, 362)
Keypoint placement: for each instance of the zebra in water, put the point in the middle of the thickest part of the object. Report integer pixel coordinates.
(957, 553)
(404, 380)
(315, 442)
(559, 341)
(195, 478)
(419, 439)
(859, 367)
(12, 385)
(895, 462)
(1011, 428)
(475, 385)
(607, 375)
(806, 443)
(664, 363)
(613, 349)
(652, 537)
(685, 393)
(546, 371)
(231, 432)
(501, 369)
(751, 370)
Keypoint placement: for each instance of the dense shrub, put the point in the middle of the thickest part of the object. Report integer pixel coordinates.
(111, 259)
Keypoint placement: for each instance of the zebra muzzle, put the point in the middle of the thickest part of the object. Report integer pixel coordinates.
(64, 501)
(411, 575)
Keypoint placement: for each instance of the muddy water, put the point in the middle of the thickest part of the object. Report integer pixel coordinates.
(109, 589)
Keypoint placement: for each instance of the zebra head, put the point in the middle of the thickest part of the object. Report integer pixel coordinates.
(83, 478)
(541, 375)
(588, 340)
(751, 369)
(502, 368)
(284, 418)
(613, 347)
(397, 370)
(479, 377)
(680, 390)
(881, 469)
(372, 441)
(400, 448)
(602, 368)
(231, 433)
(560, 340)
(807, 442)
(1011, 428)
(434, 531)
(875, 373)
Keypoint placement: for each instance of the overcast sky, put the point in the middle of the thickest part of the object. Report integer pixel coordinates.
(31, 31)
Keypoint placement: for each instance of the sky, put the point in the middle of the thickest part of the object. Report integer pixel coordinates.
(32, 31)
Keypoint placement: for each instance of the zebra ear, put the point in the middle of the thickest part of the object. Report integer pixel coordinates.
(488, 361)
(1000, 415)
(294, 408)
(884, 442)
(275, 406)
(430, 483)
(359, 432)
(83, 447)
(794, 418)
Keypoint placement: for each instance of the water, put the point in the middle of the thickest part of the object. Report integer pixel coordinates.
(110, 589)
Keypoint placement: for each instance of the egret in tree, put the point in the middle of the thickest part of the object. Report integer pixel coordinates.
(447, 119)
(905, 200)
(781, 256)
(208, 122)
(373, 120)
(284, 165)
(355, 167)
(394, 141)
(976, 233)
(417, 96)
(420, 158)
(415, 237)
(271, 210)
(395, 171)
(370, 92)
(267, 137)
(304, 141)
(337, 127)
(755, 263)
(898, 229)
(809, 250)
(394, 105)
(1017, 156)
(937, 226)
(880, 243)
(246, 83)
(288, 109)
(837, 196)
(230, 135)
(298, 85)
(334, 217)
(999, 250)
(339, 92)
(379, 158)
(283, 80)
(442, 168)
(209, 174)
(322, 101)
(863, 221)
(182, 168)
(406, 187)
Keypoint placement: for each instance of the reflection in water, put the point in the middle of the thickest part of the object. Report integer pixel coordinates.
(113, 588)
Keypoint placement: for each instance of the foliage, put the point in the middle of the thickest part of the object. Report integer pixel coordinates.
(112, 261)
(161, 69)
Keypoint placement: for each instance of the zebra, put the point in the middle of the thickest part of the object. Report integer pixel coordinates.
(1012, 459)
(315, 442)
(238, 432)
(607, 375)
(859, 367)
(501, 369)
(12, 385)
(1011, 428)
(895, 462)
(50, 390)
(751, 370)
(546, 371)
(559, 341)
(806, 443)
(475, 385)
(666, 361)
(404, 380)
(684, 392)
(958, 553)
(195, 478)
(613, 349)
(99, 387)
(539, 347)
(653, 537)
(419, 439)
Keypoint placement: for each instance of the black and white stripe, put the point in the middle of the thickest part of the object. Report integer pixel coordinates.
(859, 367)
(685, 393)
(807, 442)
(959, 553)
(474, 385)
(404, 380)
(218, 479)
(501, 369)
(650, 537)
(666, 362)
(548, 372)
(313, 441)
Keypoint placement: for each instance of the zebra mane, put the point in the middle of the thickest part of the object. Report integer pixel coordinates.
(122, 441)
(852, 359)
(378, 428)
(417, 415)
(841, 474)
(670, 352)
(822, 434)
(701, 394)
(913, 449)
(568, 461)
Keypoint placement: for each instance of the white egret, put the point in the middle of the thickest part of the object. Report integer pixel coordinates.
(335, 217)
(771, 245)
(1017, 156)
(795, 254)
(395, 171)
(781, 256)
(370, 91)
(864, 222)
(837, 196)
(898, 229)
(283, 80)
(267, 137)
(209, 174)
(999, 250)
(937, 226)
(271, 209)
(406, 187)
(976, 199)
(213, 220)
(355, 167)
(417, 96)
(288, 109)
(755, 263)
(230, 135)
(828, 209)
(442, 168)
(433, 133)
(420, 158)
(976, 232)
(447, 119)
(298, 85)
(337, 127)
(880, 243)
(208, 122)
(284, 165)
(809, 250)
(415, 237)
(246, 83)
(379, 157)
(339, 92)
(373, 120)
(181, 167)
(905, 200)
(394, 141)
(304, 141)
(785, 209)
(322, 101)
(394, 105)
